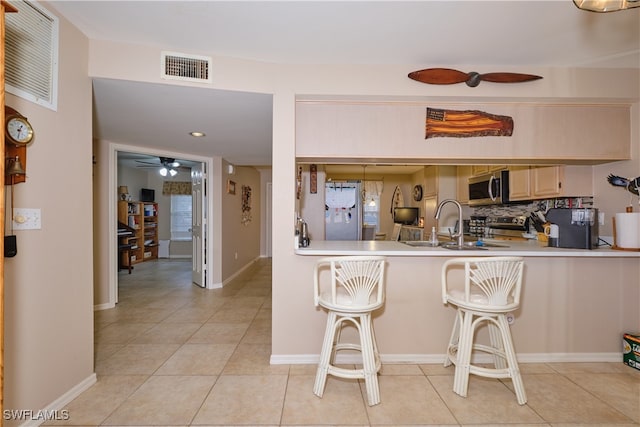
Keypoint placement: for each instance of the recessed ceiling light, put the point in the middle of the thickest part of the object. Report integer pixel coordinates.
(197, 134)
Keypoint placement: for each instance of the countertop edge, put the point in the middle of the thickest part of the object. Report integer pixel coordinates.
(388, 248)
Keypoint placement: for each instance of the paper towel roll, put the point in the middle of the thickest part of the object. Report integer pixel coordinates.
(628, 230)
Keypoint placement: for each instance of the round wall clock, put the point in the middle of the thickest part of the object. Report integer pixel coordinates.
(417, 193)
(17, 129)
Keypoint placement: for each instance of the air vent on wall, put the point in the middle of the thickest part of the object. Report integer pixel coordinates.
(31, 54)
(180, 66)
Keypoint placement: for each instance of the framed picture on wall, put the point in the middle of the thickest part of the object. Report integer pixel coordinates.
(231, 187)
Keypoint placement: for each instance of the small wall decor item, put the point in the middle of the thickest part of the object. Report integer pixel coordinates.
(299, 183)
(397, 200)
(447, 76)
(460, 124)
(632, 185)
(313, 179)
(246, 204)
(231, 187)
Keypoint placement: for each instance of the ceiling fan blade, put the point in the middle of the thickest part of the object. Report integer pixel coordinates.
(147, 163)
(508, 77)
(439, 76)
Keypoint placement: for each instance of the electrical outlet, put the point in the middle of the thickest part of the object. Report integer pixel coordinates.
(236, 255)
(511, 319)
(601, 218)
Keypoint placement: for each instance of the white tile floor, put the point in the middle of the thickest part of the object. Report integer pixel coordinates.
(174, 354)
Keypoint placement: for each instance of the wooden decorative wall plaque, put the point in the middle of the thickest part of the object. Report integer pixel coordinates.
(461, 124)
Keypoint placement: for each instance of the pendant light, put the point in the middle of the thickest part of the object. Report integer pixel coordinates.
(606, 5)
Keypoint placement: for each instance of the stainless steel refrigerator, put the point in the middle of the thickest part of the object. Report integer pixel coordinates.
(343, 211)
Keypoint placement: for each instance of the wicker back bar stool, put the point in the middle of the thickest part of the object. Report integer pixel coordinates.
(355, 289)
(489, 291)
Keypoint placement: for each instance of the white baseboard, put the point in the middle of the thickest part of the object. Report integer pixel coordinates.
(424, 359)
(239, 272)
(104, 306)
(55, 407)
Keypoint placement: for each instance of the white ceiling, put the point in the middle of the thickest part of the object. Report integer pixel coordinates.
(433, 33)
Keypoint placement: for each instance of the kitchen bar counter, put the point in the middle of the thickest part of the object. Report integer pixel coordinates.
(531, 248)
(576, 303)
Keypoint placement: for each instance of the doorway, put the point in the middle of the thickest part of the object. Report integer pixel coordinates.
(137, 167)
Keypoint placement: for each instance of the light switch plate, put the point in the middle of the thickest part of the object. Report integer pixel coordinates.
(26, 219)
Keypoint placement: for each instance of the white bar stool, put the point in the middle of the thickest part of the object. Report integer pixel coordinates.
(356, 288)
(490, 290)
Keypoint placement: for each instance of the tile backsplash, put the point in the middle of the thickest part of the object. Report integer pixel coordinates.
(516, 209)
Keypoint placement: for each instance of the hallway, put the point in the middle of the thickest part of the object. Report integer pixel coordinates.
(174, 354)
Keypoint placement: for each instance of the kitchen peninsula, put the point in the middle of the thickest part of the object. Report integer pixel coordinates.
(571, 303)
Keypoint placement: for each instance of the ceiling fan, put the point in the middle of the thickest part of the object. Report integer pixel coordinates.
(448, 76)
(167, 165)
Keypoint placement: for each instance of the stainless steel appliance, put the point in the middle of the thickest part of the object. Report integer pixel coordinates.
(343, 211)
(490, 189)
(507, 227)
(578, 228)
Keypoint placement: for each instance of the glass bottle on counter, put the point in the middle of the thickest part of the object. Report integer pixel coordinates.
(433, 238)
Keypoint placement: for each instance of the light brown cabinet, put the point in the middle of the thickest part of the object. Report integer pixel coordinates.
(462, 183)
(542, 182)
(477, 170)
(440, 183)
(519, 183)
(430, 181)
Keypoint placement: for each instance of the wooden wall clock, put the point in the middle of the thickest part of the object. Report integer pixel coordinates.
(417, 193)
(18, 134)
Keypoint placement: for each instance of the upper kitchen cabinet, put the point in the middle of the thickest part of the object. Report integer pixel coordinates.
(530, 183)
(430, 181)
(462, 191)
(477, 170)
(361, 132)
(440, 180)
(440, 183)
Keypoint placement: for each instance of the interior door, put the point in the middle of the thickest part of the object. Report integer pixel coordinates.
(198, 225)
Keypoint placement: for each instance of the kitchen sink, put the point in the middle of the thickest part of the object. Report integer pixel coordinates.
(454, 246)
(421, 243)
(468, 246)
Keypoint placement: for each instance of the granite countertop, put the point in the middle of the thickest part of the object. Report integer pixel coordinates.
(530, 248)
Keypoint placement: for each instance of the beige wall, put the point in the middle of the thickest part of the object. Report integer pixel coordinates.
(49, 309)
(49, 284)
(241, 238)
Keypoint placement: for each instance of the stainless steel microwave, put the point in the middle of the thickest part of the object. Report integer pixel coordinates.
(490, 189)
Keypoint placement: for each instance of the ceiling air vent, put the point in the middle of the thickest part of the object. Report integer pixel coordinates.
(180, 66)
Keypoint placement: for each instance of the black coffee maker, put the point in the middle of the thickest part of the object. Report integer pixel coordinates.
(578, 227)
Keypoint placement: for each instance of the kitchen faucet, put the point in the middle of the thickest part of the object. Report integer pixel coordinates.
(460, 234)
